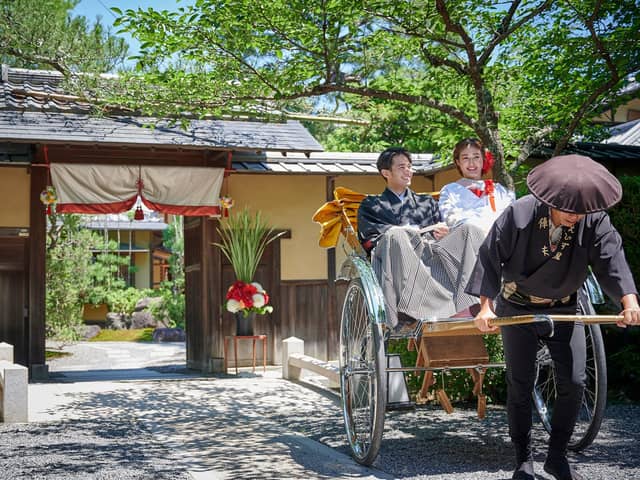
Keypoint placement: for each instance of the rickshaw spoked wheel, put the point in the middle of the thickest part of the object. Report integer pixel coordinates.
(362, 375)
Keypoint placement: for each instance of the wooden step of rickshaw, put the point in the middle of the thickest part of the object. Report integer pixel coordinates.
(451, 351)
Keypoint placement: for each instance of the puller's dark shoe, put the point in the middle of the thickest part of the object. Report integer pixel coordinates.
(560, 469)
(524, 471)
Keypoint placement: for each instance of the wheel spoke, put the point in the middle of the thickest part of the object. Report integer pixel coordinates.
(360, 376)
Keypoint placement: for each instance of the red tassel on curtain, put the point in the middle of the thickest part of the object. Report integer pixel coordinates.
(139, 214)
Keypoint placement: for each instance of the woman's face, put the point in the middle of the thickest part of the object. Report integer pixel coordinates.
(470, 163)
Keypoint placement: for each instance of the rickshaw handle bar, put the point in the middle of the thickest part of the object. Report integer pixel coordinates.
(452, 324)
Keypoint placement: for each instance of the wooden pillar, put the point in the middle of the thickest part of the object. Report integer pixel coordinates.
(202, 296)
(275, 281)
(37, 245)
(333, 321)
(212, 261)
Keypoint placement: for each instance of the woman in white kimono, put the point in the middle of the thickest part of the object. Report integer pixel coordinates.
(472, 199)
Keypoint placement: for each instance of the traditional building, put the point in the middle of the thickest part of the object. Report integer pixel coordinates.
(101, 164)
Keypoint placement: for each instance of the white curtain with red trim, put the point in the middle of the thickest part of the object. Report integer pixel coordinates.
(82, 188)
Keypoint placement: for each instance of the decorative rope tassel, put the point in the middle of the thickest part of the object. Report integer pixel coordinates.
(489, 189)
(477, 374)
(443, 398)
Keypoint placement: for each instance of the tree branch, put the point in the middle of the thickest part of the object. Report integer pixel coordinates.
(601, 90)
(506, 29)
(241, 61)
(299, 46)
(324, 89)
(474, 71)
(529, 145)
(40, 59)
(437, 61)
(434, 60)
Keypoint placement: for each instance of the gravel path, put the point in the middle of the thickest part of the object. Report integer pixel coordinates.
(84, 449)
(257, 426)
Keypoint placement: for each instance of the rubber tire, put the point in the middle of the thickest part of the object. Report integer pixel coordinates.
(595, 396)
(363, 395)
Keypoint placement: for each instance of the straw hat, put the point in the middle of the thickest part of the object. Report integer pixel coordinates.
(574, 184)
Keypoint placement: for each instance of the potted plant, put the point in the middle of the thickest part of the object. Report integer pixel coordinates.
(243, 240)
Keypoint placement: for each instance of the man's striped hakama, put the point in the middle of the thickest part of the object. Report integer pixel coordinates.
(425, 278)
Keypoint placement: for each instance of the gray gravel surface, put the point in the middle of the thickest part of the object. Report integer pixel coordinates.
(428, 443)
(259, 426)
(84, 449)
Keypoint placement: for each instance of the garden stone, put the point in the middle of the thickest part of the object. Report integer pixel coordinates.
(146, 302)
(117, 321)
(169, 335)
(89, 331)
(145, 319)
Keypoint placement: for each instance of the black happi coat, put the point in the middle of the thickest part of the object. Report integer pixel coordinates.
(517, 249)
(378, 213)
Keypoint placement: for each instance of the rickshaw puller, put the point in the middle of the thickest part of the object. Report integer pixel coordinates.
(535, 259)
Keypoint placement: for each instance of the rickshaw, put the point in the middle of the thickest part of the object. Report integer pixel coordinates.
(365, 335)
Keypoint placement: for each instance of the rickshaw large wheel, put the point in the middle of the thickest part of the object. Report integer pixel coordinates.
(594, 398)
(362, 375)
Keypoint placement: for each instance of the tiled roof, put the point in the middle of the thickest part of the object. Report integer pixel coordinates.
(597, 151)
(323, 163)
(34, 108)
(625, 134)
(32, 127)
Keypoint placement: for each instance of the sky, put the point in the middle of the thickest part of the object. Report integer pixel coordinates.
(94, 8)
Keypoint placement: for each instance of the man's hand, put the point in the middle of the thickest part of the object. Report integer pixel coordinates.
(485, 315)
(630, 312)
(440, 230)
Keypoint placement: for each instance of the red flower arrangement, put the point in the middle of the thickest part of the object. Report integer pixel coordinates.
(247, 297)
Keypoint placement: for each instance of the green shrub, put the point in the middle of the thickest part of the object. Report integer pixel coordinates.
(124, 300)
(623, 358)
(171, 308)
(624, 217)
(623, 345)
(67, 277)
(457, 383)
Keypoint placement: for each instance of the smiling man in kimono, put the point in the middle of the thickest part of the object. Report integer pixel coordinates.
(534, 261)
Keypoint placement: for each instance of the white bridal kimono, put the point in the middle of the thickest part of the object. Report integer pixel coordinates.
(479, 202)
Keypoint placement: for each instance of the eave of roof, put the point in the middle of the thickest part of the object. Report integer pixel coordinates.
(325, 163)
(625, 134)
(596, 151)
(44, 127)
(34, 109)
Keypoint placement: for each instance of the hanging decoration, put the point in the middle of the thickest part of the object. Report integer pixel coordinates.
(226, 202)
(48, 198)
(100, 188)
(138, 214)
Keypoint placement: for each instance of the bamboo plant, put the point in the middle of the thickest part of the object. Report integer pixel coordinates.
(243, 240)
